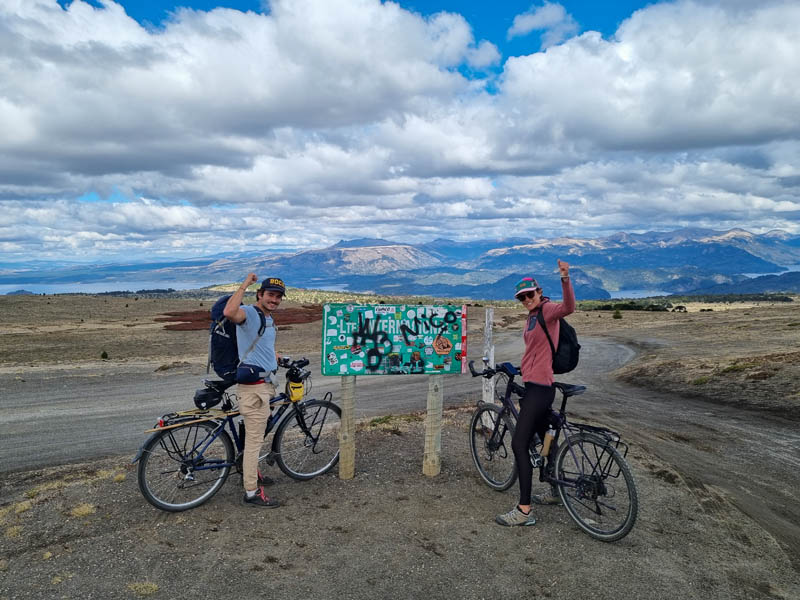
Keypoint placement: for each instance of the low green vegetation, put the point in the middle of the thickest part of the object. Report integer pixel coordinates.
(737, 367)
(395, 419)
(648, 304)
(728, 298)
(303, 296)
(676, 303)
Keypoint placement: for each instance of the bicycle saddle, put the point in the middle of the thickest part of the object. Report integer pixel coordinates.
(569, 389)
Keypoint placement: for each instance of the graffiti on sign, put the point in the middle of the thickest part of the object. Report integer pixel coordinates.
(385, 339)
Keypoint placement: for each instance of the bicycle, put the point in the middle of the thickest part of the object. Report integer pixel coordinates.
(585, 467)
(190, 454)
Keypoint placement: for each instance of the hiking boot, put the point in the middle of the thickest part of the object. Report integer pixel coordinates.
(260, 499)
(264, 479)
(515, 517)
(550, 497)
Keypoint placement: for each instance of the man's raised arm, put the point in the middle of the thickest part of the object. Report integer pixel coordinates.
(233, 308)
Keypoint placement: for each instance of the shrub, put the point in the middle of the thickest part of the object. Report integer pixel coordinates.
(617, 314)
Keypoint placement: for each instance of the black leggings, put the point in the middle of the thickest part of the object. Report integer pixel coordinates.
(533, 408)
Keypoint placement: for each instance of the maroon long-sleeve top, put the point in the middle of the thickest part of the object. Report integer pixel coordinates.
(537, 361)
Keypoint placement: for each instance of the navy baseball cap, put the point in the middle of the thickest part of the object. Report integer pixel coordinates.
(273, 284)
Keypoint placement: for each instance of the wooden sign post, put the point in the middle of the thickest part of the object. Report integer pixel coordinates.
(347, 432)
(431, 460)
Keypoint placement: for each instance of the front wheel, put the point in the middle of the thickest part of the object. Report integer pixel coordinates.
(306, 443)
(596, 486)
(182, 467)
(490, 433)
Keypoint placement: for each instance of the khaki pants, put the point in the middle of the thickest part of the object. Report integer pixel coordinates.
(254, 408)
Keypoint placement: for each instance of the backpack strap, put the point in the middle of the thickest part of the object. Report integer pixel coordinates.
(263, 326)
(540, 318)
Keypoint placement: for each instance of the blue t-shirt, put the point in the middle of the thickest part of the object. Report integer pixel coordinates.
(263, 352)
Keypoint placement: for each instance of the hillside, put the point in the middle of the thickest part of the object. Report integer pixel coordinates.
(682, 261)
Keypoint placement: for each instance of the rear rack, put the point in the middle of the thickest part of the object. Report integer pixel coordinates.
(612, 438)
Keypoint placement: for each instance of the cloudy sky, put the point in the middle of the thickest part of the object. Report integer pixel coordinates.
(133, 129)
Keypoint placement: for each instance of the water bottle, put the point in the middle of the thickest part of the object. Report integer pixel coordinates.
(548, 438)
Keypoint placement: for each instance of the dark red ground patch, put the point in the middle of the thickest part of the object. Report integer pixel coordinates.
(200, 319)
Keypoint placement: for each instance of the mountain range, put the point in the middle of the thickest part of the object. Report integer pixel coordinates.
(683, 261)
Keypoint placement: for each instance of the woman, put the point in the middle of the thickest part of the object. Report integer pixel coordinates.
(537, 373)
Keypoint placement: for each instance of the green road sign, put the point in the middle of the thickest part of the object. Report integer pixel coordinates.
(386, 339)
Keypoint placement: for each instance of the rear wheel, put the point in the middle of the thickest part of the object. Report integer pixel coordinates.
(306, 443)
(182, 467)
(491, 431)
(597, 486)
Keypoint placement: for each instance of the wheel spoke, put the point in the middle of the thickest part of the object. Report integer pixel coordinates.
(307, 441)
(583, 467)
(490, 434)
(183, 467)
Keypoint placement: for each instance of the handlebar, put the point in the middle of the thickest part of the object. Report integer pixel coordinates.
(482, 373)
(287, 363)
(295, 371)
(489, 372)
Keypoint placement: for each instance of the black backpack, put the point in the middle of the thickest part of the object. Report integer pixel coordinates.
(565, 358)
(223, 354)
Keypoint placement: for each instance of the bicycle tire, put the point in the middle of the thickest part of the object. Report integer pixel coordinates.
(601, 504)
(168, 473)
(491, 447)
(304, 455)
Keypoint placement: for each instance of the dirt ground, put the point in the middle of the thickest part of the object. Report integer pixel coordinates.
(84, 531)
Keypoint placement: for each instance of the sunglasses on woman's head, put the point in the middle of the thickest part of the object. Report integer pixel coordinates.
(526, 296)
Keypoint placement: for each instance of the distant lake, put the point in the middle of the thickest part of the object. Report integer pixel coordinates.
(96, 287)
(789, 267)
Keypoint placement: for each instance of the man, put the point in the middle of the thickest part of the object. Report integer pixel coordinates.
(255, 376)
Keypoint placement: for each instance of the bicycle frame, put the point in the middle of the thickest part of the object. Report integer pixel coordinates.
(198, 450)
(560, 423)
(580, 469)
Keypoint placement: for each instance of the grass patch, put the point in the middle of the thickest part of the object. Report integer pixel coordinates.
(83, 510)
(701, 380)
(737, 367)
(61, 577)
(143, 589)
(119, 477)
(21, 507)
(13, 532)
(395, 419)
